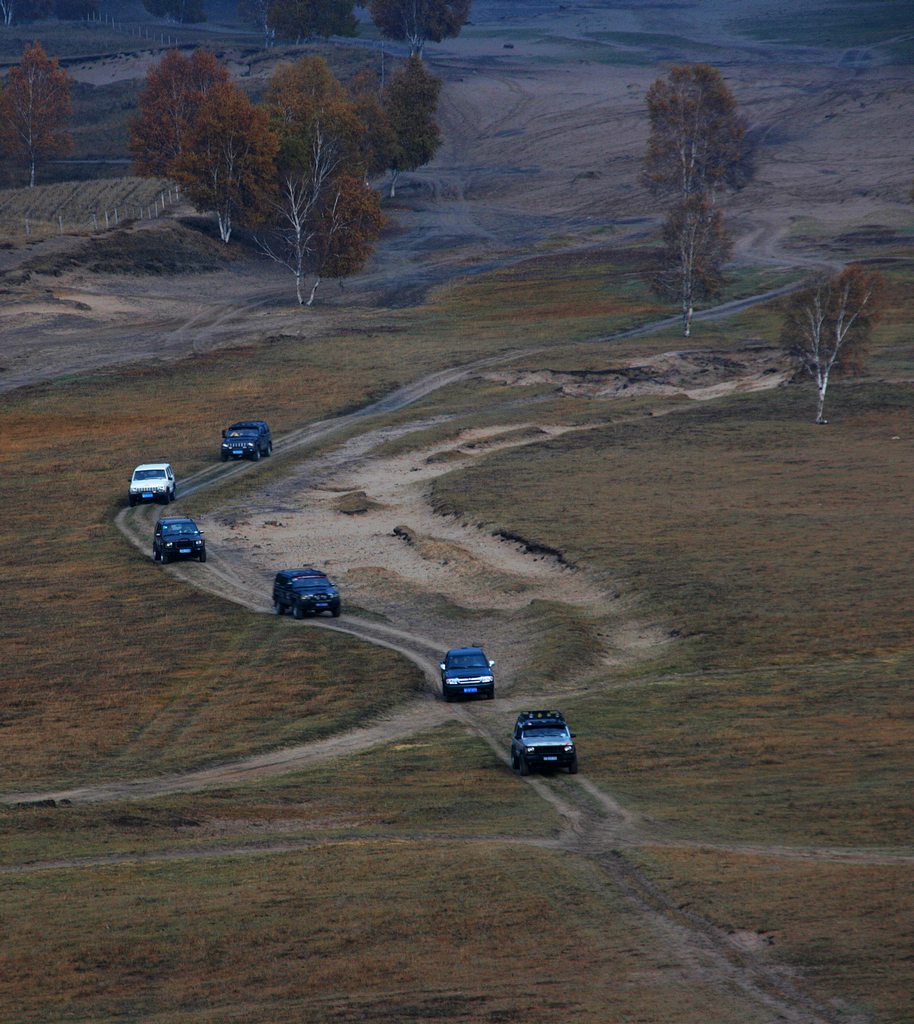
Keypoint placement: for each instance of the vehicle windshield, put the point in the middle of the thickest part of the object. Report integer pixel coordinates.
(185, 526)
(546, 731)
(149, 474)
(467, 661)
(247, 435)
(311, 584)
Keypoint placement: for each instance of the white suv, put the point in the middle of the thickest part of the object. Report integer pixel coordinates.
(153, 481)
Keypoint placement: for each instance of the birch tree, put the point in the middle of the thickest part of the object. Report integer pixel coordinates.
(419, 21)
(320, 212)
(35, 110)
(411, 102)
(695, 250)
(168, 107)
(695, 150)
(828, 325)
(228, 165)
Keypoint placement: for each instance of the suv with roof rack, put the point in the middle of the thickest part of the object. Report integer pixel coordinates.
(467, 672)
(246, 439)
(305, 591)
(542, 739)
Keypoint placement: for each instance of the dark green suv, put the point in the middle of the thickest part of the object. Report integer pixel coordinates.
(305, 591)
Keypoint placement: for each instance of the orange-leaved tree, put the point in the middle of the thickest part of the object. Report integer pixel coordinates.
(168, 107)
(696, 148)
(313, 211)
(377, 142)
(411, 102)
(35, 110)
(228, 161)
(419, 21)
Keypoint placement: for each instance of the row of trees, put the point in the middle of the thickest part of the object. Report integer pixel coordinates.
(294, 169)
(416, 22)
(696, 152)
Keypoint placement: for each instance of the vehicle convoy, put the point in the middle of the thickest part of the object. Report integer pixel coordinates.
(305, 591)
(177, 537)
(542, 739)
(152, 481)
(246, 439)
(467, 672)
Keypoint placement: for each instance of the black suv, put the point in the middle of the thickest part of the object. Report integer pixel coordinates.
(177, 537)
(247, 439)
(542, 740)
(467, 672)
(305, 592)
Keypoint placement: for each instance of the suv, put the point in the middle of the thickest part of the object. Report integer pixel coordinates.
(305, 592)
(542, 740)
(177, 537)
(466, 671)
(247, 439)
(152, 481)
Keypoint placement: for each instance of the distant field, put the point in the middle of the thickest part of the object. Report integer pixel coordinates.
(845, 23)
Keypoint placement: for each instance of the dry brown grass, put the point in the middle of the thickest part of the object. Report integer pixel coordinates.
(852, 922)
(352, 931)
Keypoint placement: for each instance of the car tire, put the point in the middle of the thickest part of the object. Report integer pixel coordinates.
(131, 501)
(166, 558)
(514, 762)
(279, 608)
(491, 694)
(573, 767)
(257, 455)
(224, 457)
(523, 766)
(447, 695)
(155, 555)
(297, 613)
(335, 612)
(202, 556)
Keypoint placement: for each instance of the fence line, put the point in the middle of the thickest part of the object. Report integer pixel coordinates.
(119, 213)
(151, 34)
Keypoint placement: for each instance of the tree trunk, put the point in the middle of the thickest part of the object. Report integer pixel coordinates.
(820, 403)
(310, 301)
(298, 291)
(394, 175)
(32, 173)
(687, 321)
(225, 226)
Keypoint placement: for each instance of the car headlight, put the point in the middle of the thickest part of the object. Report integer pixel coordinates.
(531, 750)
(569, 747)
(487, 679)
(169, 543)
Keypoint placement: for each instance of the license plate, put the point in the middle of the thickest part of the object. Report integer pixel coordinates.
(471, 689)
(184, 551)
(147, 494)
(237, 451)
(550, 758)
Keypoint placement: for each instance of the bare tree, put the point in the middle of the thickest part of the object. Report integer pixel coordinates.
(828, 325)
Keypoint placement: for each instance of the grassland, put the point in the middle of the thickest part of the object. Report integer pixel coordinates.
(776, 713)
